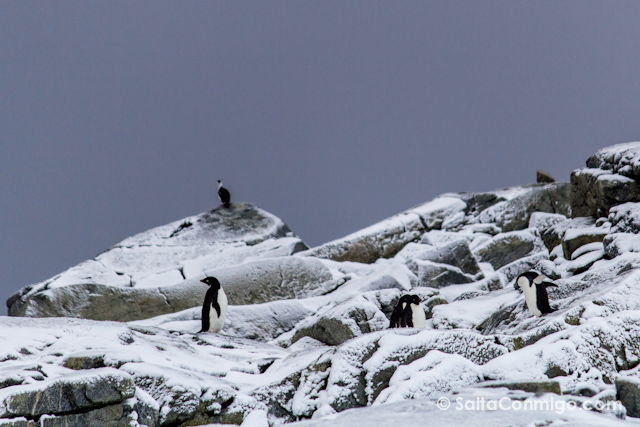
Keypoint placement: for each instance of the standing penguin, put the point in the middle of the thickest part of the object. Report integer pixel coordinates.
(213, 320)
(414, 313)
(224, 195)
(408, 313)
(396, 315)
(534, 286)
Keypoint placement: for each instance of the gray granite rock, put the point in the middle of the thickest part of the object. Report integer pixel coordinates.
(508, 247)
(71, 393)
(249, 283)
(628, 393)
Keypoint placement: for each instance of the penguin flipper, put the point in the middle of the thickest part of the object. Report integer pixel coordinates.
(550, 285)
(206, 308)
(543, 299)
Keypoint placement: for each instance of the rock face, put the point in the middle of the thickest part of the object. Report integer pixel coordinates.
(81, 392)
(307, 331)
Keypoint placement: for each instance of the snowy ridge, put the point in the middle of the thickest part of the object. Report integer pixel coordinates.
(306, 337)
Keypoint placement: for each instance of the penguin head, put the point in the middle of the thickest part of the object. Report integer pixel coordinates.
(211, 281)
(404, 299)
(414, 299)
(530, 279)
(219, 183)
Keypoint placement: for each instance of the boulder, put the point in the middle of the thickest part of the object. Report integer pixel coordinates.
(595, 191)
(435, 275)
(455, 253)
(628, 393)
(340, 325)
(549, 226)
(508, 247)
(616, 244)
(514, 213)
(386, 238)
(118, 415)
(544, 178)
(250, 283)
(611, 178)
(577, 237)
(625, 218)
(521, 265)
(430, 377)
(335, 325)
(623, 159)
(71, 393)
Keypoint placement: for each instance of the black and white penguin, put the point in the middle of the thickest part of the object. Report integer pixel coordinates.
(213, 320)
(408, 313)
(224, 195)
(396, 315)
(534, 286)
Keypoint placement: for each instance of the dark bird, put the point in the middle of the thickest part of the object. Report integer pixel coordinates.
(224, 195)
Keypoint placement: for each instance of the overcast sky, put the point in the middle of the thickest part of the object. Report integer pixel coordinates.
(119, 116)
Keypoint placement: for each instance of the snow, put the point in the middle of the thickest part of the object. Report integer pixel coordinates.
(470, 313)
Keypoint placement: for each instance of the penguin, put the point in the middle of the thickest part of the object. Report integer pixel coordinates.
(214, 308)
(534, 286)
(408, 313)
(224, 195)
(414, 313)
(396, 315)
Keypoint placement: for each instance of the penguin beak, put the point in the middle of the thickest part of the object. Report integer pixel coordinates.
(204, 281)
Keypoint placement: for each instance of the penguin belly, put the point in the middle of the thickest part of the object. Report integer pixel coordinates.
(418, 317)
(531, 299)
(216, 323)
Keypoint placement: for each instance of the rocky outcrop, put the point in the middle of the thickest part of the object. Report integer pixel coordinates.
(93, 396)
(250, 283)
(386, 238)
(611, 178)
(141, 270)
(514, 212)
(508, 247)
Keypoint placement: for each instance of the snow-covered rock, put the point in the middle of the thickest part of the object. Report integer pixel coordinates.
(150, 271)
(508, 247)
(386, 238)
(609, 179)
(625, 218)
(514, 211)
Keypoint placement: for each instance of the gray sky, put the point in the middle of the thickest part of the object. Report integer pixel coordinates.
(118, 116)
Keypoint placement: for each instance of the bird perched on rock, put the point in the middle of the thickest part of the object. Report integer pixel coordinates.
(408, 313)
(216, 299)
(224, 195)
(534, 286)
